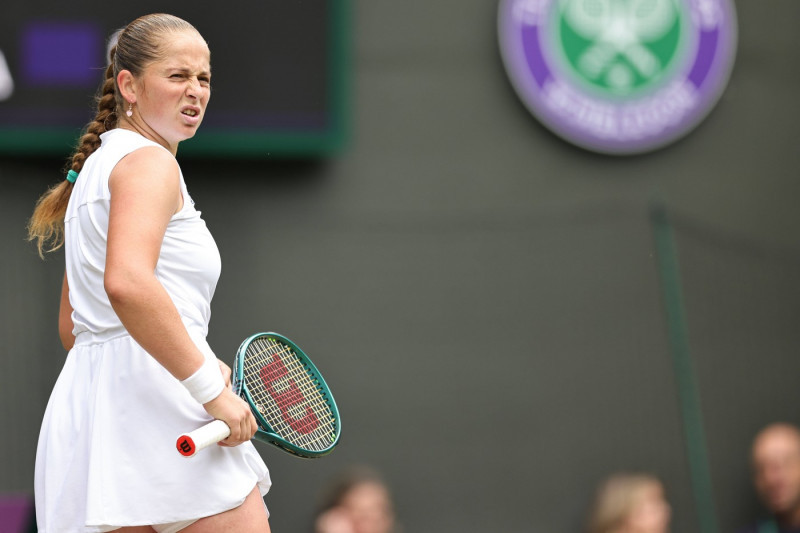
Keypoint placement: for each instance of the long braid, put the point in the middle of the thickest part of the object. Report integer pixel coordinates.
(46, 226)
(104, 120)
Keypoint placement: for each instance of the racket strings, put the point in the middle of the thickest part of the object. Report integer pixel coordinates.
(286, 407)
(310, 395)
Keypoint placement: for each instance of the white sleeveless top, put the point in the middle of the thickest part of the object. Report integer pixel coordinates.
(188, 264)
(106, 455)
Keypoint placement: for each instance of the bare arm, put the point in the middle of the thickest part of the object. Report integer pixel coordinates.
(145, 193)
(65, 317)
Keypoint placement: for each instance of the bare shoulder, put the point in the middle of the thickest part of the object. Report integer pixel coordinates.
(146, 166)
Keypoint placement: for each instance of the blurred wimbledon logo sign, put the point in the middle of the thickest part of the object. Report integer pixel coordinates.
(618, 76)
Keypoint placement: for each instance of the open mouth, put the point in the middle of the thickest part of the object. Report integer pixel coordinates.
(189, 112)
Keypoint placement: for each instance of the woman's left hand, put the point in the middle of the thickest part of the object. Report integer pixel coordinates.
(226, 373)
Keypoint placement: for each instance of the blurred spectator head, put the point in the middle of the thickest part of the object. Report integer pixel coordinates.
(776, 468)
(630, 503)
(357, 501)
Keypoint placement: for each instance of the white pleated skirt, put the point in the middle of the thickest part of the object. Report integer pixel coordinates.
(107, 458)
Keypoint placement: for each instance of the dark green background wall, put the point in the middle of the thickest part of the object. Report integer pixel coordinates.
(484, 298)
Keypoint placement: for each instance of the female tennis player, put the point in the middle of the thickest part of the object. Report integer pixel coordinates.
(141, 268)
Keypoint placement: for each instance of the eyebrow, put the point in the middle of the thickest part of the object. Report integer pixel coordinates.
(186, 70)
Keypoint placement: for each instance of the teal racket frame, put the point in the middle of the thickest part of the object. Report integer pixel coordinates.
(268, 435)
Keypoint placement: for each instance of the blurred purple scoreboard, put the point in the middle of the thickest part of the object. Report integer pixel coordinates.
(280, 75)
(60, 54)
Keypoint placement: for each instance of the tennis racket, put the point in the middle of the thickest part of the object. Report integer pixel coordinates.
(294, 409)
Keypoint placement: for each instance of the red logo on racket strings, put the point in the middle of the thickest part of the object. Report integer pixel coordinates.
(288, 397)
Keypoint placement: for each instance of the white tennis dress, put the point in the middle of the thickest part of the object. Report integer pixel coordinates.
(106, 455)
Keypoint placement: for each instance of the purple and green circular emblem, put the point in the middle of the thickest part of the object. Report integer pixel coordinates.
(618, 76)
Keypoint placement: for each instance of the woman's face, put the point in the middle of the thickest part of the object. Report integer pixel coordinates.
(172, 93)
(369, 507)
(651, 512)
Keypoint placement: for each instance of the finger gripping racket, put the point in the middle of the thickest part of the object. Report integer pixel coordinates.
(290, 400)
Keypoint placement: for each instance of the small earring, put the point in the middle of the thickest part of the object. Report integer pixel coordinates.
(129, 112)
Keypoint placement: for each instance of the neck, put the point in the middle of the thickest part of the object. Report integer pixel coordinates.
(147, 133)
(790, 519)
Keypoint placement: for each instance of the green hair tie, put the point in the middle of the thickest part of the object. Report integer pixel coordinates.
(72, 176)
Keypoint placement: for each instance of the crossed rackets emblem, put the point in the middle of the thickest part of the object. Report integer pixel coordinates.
(619, 31)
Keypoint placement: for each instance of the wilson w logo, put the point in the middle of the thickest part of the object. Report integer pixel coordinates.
(288, 396)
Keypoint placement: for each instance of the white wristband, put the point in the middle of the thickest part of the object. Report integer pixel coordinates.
(206, 383)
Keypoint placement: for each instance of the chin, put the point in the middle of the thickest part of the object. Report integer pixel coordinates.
(780, 507)
(185, 136)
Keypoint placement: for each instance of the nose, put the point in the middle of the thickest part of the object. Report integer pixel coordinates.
(193, 88)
